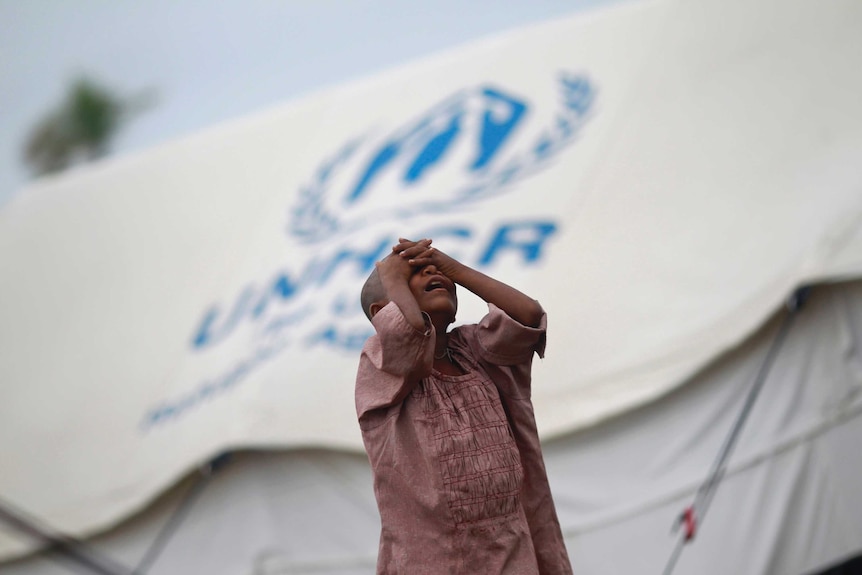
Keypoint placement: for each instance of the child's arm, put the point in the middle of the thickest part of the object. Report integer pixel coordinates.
(394, 274)
(516, 304)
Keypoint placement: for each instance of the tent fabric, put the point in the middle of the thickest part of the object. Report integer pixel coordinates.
(788, 505)
(659, 176)
(789, 501)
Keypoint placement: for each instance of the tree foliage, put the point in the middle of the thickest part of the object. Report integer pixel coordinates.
(82, 128)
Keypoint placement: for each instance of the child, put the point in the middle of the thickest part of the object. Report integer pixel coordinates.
(448, 425)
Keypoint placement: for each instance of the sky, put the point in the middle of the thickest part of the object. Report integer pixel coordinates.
(209, 61)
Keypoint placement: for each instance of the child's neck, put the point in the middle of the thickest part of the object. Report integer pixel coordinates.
(441, 328)
(443, 360)
(442, 341)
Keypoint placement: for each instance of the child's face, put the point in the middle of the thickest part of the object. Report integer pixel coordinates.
(434, 292)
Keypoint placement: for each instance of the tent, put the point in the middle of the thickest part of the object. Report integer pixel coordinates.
(789, 502)
(660, 176)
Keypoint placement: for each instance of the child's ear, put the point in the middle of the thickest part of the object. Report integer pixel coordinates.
(374, 308)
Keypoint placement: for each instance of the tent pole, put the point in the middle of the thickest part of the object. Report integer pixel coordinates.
(204, 475)
(76, 551)
(83, 555)
(694, 514)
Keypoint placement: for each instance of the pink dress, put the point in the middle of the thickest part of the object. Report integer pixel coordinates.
(458, 471)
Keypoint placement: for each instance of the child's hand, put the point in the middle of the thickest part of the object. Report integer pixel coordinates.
(445, 264)
(397, 266)
(408, 249)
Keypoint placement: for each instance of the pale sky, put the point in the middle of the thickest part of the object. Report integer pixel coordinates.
(213, 60)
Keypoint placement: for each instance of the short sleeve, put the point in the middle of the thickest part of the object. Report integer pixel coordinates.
(505, 341)
(393, 360)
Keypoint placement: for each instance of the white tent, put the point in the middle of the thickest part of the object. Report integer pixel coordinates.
(660, 175)
(789, 503)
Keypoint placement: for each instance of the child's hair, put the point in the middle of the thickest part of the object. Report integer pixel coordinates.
(372, 292)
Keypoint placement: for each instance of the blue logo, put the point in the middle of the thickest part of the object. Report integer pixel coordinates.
(483, 122)
(471, 147)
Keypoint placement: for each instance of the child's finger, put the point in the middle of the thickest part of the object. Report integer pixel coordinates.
(398, 248)
(403, 244)
(414, 248)
(424, 258)
(426, 253)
